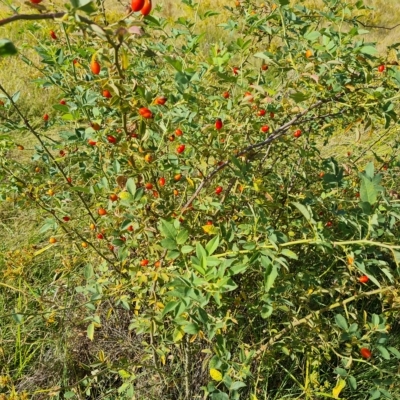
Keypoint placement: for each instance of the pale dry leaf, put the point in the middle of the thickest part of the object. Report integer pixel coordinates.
(136, 30)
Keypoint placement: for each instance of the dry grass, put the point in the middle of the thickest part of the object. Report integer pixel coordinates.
(16, 75)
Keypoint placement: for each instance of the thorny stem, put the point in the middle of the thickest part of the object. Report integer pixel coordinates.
(116, 50)
(55, 15)
(266, 154)
(124, 124)
(70, 50)
(36, 17)
(155, 359)
(308, 317)
(315, 242)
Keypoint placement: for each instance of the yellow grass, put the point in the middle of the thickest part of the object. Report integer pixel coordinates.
(15, 75)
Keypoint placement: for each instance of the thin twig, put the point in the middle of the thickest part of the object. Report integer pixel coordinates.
(186, 363)
(37, 17)
(297, 322)
(377, 26)
(266, 155)
(37, 136)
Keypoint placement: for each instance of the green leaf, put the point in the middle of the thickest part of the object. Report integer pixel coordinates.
(60, 107)
(370, 50)
(50, 224)
(352, 382)
(169, 307)
(396, 255)
(151, 20)
(227, 284)
(265, 56)
(370, 170)
(200, 251)
(18, 318)
(117, 167)
(131, 186)
(167, 229)
(175, 63)
(237, 385)
(182, 237)
(312, 36)
(303, 210)
(172, 254)
(124, 387)
(67, 117)
(238, 268)
(271, 273)
(290, 254)
(219, 396)
(368, 192)
(209, 14)
(217, 297)
(186, 249)
(203, 316)
(191, 328)
(125, 305)
(340, 371)
(384, 353)
(85, 5)
(266, 310)
(341, 322)
(126, 224)
(212, 245)
(139, 194)
(169, 244)
(203, 263)
(7, 48)
(213, 261)
(375, 394)
(298, 97)
(88, 271)
(375, 320)
(199, 269)
(123, 253)
(394, 351)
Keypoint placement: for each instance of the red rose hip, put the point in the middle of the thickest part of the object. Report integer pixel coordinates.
(365, 353)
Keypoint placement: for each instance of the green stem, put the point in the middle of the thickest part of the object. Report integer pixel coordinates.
(315, 242)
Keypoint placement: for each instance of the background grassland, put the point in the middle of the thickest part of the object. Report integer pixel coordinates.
(16, 75)
(19, 228)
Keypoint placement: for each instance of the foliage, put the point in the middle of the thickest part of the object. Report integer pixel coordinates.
(248, 264)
